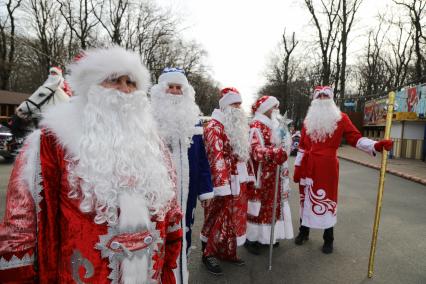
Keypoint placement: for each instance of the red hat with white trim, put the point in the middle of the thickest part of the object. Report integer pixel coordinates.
(229, 96)
(325, 90)
(263, 104)
(55, 69)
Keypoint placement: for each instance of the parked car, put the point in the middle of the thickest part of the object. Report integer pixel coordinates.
(9, 145)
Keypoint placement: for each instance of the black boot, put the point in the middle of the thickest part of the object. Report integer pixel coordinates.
(328, 237)
(203, 246)
(252, 247)
(303, 235)
(212, 265)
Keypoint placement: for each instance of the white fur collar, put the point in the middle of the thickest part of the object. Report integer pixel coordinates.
(218, 115)
(264, 119)
(65, 122)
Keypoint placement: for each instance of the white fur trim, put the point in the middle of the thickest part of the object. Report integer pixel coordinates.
(288, 225)
(198, 130)
(243, 175)
(267, 105)
(218, 115)
(235, 185)
(98, 64)
(223, 190)
(229, 98)
(65, 121)
(366, 145)
(205, 196)
(173, 78)
(31, 171)
(263, 119)
(253, 208)
(299, 157)
(134, 216)
(203, 238)
(241, 240)
(262, 232)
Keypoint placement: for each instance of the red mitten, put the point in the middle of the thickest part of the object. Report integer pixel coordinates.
(296, 174)
(383, 144)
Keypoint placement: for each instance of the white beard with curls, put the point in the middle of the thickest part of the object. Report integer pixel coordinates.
(176, 115)
(119, 151)
(237, 130)
(321, 119)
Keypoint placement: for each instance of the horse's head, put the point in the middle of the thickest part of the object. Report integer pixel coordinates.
(45, 96)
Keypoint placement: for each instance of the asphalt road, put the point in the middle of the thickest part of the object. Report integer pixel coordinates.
(401, 249)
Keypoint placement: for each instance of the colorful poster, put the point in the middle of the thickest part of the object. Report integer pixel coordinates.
(421, 106)
(412, 100)
(375, 112)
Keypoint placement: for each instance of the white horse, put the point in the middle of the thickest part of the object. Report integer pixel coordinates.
(47, 95)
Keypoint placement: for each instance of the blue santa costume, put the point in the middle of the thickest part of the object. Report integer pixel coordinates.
(179, 124)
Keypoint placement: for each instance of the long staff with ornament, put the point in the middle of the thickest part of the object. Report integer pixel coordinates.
(285, 142)
(390, 107)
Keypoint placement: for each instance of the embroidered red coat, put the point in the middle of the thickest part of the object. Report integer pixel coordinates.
(45, 238)
(266, 156)
(319, 172)
(225, 218)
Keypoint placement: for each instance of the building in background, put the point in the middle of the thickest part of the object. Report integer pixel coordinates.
(9, 101)
(409, 122)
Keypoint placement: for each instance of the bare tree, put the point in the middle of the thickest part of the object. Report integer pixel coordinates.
(79, 18)
(398, 60)
(111, 15)
(349, 9)
(50, 31)
(328, 36)
(416, 9)
(7, 43)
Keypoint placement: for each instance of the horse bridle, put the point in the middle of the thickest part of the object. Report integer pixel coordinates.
(29, 102)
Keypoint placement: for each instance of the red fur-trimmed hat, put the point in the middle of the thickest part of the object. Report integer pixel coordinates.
(56, 69)
(263, 104)
(229, 96)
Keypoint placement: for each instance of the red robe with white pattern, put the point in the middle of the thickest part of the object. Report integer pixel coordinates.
(45, 238)
(319, 172)
(266, 156)
(226, 216)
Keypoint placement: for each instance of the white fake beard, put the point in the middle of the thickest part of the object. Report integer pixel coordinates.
(321, 119)
(237, 130)
(176, 116)
(119, 151)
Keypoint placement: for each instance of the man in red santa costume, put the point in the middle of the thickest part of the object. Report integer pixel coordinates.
(91, 198)
(317, 167)
(55, 73)
(227, 146)
(267, 153)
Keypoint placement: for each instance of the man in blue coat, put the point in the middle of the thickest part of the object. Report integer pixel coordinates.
(177, 115)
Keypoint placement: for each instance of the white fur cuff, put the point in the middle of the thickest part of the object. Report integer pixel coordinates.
(205, 196)
(223, 190)
(299, 157)
(366, 145)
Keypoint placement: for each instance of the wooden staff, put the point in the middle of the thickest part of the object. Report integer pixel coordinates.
(390, 107)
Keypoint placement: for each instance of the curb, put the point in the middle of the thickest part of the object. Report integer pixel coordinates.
(406, 176)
